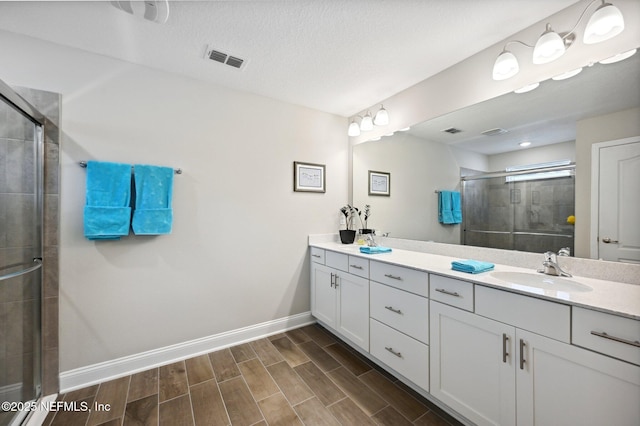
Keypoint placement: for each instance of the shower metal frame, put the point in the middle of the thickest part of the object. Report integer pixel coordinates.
(39, 120)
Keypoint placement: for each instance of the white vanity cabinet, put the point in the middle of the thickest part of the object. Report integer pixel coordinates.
(339, 299)
(510, 362)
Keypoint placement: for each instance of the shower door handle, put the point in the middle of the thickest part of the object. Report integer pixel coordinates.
(38, 264)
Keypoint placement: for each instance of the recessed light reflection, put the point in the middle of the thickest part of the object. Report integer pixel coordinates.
(567, 74)
(619, 57)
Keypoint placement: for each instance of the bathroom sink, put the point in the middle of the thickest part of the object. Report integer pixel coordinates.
(541, 281)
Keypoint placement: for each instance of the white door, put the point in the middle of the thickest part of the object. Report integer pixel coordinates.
(353, 309)
(619, 203)
(473, 365)
(324, 304)
(561, 384)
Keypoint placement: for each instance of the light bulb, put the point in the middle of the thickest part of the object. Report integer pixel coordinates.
(549, 47)
(605, 23)
(506, 66)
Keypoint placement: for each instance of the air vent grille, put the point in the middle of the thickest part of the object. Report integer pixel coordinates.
(494, 132)
(224, 58)
(452, 130)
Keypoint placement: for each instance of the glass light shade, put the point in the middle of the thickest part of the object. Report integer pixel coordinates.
(549, 47)
(567, 74)
(382, 117)
(527, 88)
(354, 129)
(506, 66)
(619, 57)
(605, 23)
(367, 123)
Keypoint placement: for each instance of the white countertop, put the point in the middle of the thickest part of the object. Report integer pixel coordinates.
(606, 296)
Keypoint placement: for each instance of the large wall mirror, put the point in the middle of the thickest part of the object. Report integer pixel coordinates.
(433, 155)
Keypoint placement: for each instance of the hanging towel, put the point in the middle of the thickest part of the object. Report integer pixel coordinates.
(153, 214)
(107, 212)
(373, 250)
(456, 207)
(471, 266)
(445, 214)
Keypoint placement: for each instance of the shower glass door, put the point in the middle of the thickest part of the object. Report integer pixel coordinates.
(20, 260)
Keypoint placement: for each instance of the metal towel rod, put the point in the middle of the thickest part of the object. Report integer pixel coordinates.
(84, 165)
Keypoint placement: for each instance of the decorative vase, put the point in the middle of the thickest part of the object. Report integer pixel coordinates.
(347, 236)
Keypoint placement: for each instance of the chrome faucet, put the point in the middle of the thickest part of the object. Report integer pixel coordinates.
(370, 241)
(551, 266)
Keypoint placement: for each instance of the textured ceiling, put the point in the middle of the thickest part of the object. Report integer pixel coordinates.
(335, 56)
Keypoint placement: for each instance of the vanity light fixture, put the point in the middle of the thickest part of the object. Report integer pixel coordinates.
(619, 57)
(605, 22)
(567, 74)
(368, 121)
(527, 88)
(524, 144)
(406, 129)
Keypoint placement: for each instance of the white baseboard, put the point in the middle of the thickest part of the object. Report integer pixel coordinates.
(104, 371)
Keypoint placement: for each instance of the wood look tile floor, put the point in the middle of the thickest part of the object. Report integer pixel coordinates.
(305, 376)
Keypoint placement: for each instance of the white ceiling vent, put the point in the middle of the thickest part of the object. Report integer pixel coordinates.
(224, 58)
(452, 130)
(494, 132)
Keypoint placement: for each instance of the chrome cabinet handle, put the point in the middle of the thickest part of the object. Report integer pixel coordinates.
(616, 339)
(393, 277)
(397, 311)
(609, 241)
(398, 354)
(333, 279)
(316, 255)
(450, 293)
(356, 266)
(522, 360)
(505, 341)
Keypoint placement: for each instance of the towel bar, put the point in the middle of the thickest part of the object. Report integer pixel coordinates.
(84, 165)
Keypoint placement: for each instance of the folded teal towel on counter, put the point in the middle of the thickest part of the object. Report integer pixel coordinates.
(153, 214)
(107, 211)
(373, 250)
(472, 266)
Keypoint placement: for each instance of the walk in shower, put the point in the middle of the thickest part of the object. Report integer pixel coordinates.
(529, 209)
(21, 222)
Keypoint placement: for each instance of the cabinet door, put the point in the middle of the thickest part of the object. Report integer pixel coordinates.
(561, 384)
(472, 365)
(324, 294)
(353, 309)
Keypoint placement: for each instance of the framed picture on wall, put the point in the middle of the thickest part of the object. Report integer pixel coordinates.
(379, 183)
(308, 177)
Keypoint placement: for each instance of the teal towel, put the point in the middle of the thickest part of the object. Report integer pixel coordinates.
(107, 211)
(445, 213)
(456, 207)
(153, 214)
(373, 250)
(472, 266)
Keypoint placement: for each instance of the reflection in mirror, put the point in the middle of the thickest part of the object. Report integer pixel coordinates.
(435, 154)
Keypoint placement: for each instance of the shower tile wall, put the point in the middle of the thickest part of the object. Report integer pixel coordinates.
(507, 210)
(48, 104)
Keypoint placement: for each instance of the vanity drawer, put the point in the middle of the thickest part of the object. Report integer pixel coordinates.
(451, 292)
(406, 312)
(337, 260)
(402, 353)
(615, 336)
(317, 255)
(528, 313)
(359, 266)
(400, 277)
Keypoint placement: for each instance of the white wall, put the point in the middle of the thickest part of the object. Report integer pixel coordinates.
(238, 252)
(418, 167)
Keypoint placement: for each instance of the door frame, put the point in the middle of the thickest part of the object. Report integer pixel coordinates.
(595, 189)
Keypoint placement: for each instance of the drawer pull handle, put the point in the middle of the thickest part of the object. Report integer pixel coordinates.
(393, 277)
(398, 354)
(505, 340)
(316, 255)
(522, 360)
(450, 293)
(616, 339)
(397, 311)
(334, 280)
(356, 266)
